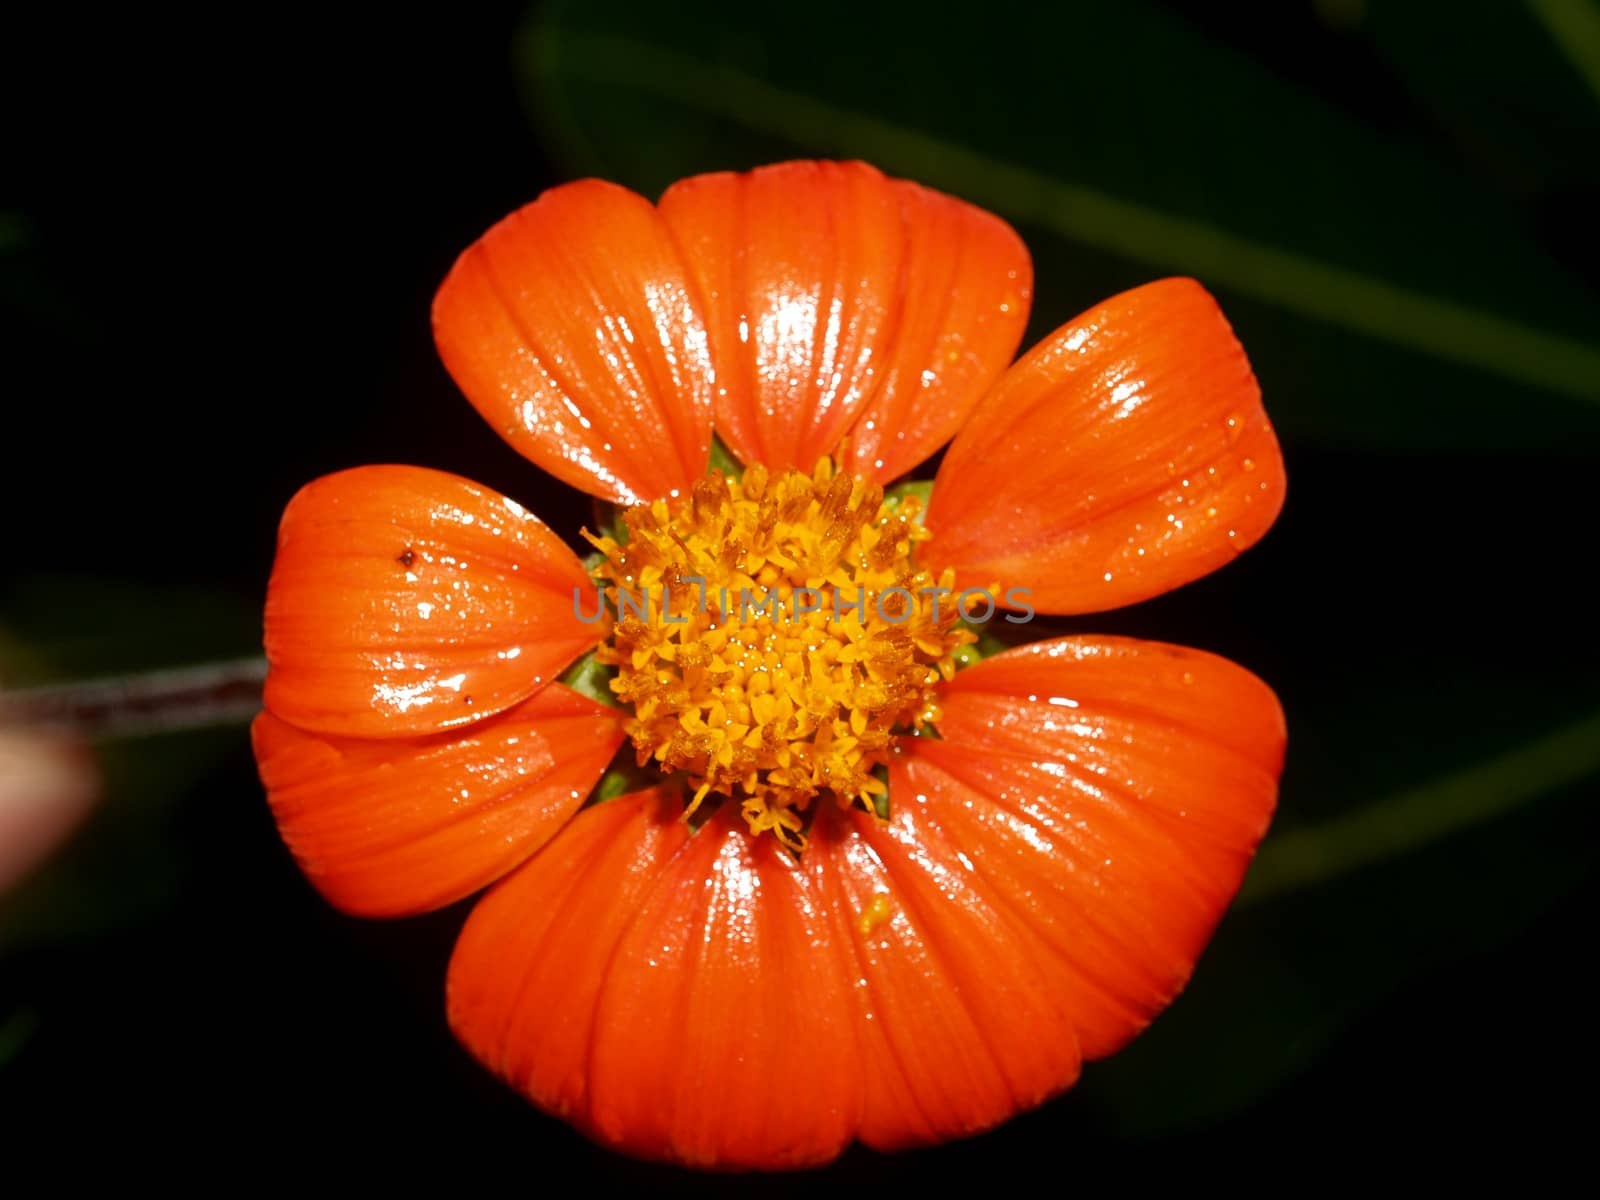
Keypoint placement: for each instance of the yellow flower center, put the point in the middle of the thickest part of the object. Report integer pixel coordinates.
(773, 636)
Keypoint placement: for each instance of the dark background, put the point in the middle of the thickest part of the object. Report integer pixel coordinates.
(219, 237)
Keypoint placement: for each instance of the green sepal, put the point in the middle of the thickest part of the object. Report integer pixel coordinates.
(624, 775)
(722, 459)
(880, 802)
(591, 678)
(989, 643)
(608, 521)
(922, 489)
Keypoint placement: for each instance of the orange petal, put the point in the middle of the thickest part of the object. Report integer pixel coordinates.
(405, 601)
(738, 1011)
(527, 972)
(1125, 455)
(1109, 793)
(724, 1032)
(571, 327)
(959, 1026)
(801, 268)
(968, 286)
(399, 826)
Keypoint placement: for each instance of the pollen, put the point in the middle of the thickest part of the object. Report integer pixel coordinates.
(774, 636)
(878, 910)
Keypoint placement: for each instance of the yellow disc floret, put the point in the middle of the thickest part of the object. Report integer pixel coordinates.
(773, 635)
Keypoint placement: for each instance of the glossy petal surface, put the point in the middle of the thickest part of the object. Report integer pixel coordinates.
(527, 972)
(1125, 455)
(405, 601)
(1107, 795)
(724, 1033)
(959, 1026)
(1050, 871)
(968, 289)
(677, 998)
(391, 827)
(571, 327)
(834, 294)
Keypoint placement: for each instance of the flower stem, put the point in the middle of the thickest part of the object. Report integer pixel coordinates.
(168, 701)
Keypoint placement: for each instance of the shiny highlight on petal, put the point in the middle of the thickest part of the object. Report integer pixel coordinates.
(405, 601)
(572, 328)
(1050, 869)
(842, 302)
(1108, 794)
(391, 827)
(1125, 455)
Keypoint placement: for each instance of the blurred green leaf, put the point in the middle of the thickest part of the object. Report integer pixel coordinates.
(1501, 88)
(15, 1030)
(1574, 25)
(1283, 980)
(123, 863)
(14, 232)
(126, 862)
(1431, 809)
(60, 627)
(1317, 225)
(1435, 810)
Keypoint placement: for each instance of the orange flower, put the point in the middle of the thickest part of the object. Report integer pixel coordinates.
(981, 872)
